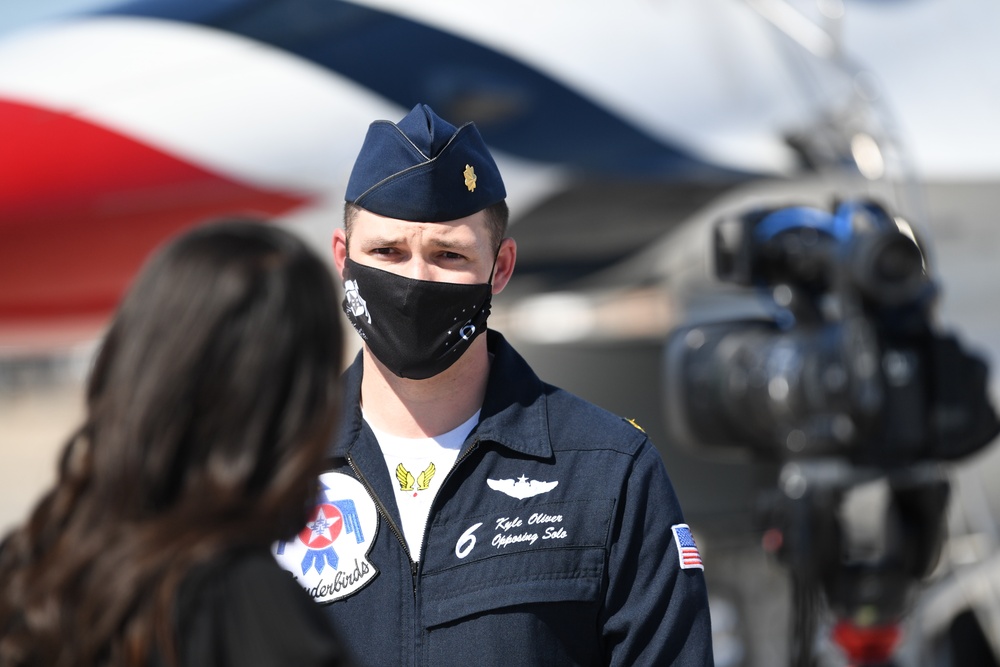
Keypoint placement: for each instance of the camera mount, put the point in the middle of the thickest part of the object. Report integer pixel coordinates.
(850, 386)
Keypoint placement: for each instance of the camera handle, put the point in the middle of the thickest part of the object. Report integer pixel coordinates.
(857, 542)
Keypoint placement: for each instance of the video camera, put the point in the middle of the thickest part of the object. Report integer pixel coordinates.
(847, 364)
(848, 384)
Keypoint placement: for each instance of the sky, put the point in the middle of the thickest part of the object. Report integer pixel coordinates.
(938, 62)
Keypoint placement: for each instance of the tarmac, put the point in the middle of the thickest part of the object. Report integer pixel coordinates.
(39, 407)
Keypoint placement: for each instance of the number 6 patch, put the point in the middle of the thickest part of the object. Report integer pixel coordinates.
(467, 541)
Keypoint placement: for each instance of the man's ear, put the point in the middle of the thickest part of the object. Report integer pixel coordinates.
(339, 250)
(506, 259)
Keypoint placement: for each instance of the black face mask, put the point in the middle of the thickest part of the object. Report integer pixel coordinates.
(416, 328)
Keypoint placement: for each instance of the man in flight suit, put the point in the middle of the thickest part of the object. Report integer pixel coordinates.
(472, 514)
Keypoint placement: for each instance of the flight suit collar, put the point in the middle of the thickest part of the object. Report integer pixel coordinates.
(514, 413)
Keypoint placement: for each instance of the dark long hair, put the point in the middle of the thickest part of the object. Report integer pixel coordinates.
(208, 411)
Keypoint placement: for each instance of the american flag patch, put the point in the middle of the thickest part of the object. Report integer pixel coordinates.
(687, 550)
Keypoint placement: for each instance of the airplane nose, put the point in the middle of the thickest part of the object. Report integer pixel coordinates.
(82, 206)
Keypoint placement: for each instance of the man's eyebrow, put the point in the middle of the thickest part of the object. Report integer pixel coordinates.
(382, 241)
(441, 243)
(453, 244)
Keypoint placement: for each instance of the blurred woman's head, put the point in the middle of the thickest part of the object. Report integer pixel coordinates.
(208, 412)
(217, 383)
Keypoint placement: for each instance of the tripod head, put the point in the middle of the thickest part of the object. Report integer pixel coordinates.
(862, 539)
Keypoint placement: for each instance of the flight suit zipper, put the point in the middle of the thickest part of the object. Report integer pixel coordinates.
(385, 513)
(418, 628)
(458, 462)
(394, 529)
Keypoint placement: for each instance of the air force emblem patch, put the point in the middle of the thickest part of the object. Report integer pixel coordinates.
(329, 557)
(522, 487)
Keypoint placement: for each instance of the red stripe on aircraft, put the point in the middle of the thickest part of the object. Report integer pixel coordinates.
(82, 206)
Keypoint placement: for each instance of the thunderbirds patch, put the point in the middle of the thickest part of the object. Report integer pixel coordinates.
(329, 558)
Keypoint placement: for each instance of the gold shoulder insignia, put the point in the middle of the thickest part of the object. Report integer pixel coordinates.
(405, 478)
(470, 178)
(424, 478)
(633, 423)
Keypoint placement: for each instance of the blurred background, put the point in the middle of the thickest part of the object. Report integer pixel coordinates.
(625, 130)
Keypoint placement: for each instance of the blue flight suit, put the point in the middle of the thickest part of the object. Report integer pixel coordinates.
(549, 542)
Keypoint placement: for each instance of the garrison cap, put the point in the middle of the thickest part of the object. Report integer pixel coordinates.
(424, 169)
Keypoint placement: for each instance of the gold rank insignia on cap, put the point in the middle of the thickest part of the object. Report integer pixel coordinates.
(470, 178)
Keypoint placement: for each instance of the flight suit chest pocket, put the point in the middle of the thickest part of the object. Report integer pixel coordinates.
(536, 553)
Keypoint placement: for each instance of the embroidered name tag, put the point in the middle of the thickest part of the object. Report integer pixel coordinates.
(526, 528)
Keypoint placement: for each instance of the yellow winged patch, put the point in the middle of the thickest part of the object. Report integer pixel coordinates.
(405, 478)
(424, 478)
(636, 424)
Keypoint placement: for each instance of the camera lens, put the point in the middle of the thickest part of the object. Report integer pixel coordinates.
(888, 268)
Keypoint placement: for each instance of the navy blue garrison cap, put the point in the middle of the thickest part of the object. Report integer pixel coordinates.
(424, 169)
